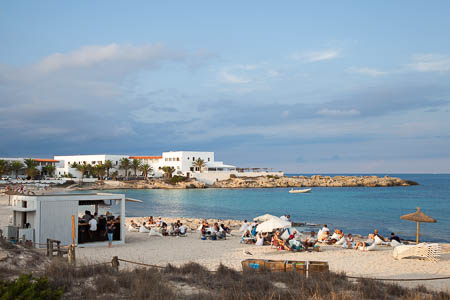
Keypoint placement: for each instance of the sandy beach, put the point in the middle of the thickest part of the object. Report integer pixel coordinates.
(140, 247)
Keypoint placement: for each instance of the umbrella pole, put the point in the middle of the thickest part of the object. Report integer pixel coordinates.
(418, 226)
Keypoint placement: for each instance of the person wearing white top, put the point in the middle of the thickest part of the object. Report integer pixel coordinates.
(144, 229)
(92, 228)
(284, 218)
(182, 229)
(244, 226)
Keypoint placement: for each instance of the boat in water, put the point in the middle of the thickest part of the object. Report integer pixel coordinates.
(292, 191)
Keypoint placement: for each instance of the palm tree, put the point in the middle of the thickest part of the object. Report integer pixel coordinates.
(31, 167)
(4, 166)
(50, 169)
(99, 170)
(199, 164)
(125, 164)
(82, 168)
(108, 165)
(135, 165)
(114, 175)
(145, 169)
(168, 171)
(16, 166)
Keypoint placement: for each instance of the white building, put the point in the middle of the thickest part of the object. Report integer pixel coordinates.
(183, 162)
(66, 161)
(42, 217)
(40, 164)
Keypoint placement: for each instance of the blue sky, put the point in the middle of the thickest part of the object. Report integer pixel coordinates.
(308, 87)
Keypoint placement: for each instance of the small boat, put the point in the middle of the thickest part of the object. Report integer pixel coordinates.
(292, 191)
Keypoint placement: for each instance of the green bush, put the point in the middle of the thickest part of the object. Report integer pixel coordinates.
(176, 179)
(27, 287)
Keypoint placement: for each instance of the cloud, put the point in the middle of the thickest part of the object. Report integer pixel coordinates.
(338, 112)
(367, 71)
(231, 78)
(430, 63)
(91, 56)
(316, 56)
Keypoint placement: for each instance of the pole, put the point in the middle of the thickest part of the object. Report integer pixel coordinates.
(73, 230)
(418, 227)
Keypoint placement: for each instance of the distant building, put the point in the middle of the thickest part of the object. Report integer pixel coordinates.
(66, 161)
(40, 164)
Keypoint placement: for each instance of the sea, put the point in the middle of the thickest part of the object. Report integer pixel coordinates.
(357, 210)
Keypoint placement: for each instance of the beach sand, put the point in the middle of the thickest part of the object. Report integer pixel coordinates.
(140, 247)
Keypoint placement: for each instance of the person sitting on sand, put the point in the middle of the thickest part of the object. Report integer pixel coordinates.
(336, 236)
(144, 229)
(394, 237)
(182, 229)
(349, 243)
(244, 226)
(150, 221)
(259, 239)
(375, 233)
(364, 244)
(133, 224)
(279, 243)
(159, 222)
(311, 241)
(225, 228)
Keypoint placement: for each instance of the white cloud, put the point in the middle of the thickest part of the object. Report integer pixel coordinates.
(89, 56)
(430, 63)
(231, 78)
(367, 71)
(315, 56)
(338, 112)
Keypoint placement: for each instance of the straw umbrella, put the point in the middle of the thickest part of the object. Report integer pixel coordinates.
(418, 217)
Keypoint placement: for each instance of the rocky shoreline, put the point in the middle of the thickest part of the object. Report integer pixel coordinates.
(254, 182)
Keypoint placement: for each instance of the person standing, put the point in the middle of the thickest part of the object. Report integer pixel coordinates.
(92, 228)
(110, 227)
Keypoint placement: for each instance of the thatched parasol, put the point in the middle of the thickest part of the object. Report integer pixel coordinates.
(418, 217)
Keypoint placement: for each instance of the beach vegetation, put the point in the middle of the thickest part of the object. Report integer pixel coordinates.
(99, 171)
(16, 166)
(168, 171)
(145, 169)
(82, 168)
(135, 164)
(4, 167)
(273, 176)
(27, 287)
(125, 164)
(177, 178)
(49, 170)
(115, 174)
(108, 166)
(31, 167)
(199, 164)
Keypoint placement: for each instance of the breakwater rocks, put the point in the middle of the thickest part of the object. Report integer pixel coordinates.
(253, 182)
(313, 181)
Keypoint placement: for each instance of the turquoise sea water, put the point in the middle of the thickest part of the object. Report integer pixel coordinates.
(357, 210)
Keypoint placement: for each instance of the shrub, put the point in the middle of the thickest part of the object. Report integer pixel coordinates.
(175, 179)
(27, 287)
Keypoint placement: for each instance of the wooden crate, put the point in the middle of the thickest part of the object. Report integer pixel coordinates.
(318, 266)
(275, 265)
(253, 265)
(296, 266)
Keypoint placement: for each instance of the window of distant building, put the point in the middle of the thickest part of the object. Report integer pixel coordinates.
(167, 159)
(208, 158)
(193, 158)
(188, 158)
(93, 162)
(178, 159)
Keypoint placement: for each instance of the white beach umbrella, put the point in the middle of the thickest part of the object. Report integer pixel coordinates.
(265, 217)
(272, 224)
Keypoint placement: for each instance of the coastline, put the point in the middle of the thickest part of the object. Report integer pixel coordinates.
(250, 182)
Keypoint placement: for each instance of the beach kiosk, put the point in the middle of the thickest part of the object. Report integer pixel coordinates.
(42, 217)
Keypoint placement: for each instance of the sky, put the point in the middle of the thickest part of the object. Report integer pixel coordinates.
(298, 86)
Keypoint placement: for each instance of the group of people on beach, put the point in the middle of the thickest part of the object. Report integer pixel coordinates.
(214, 231)
(159, 227)
(99, 226)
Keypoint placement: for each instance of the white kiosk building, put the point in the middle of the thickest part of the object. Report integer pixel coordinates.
(42, 217)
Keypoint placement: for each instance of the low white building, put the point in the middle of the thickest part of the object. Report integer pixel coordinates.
(42, 217)
(66, 161)
(41, 163)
